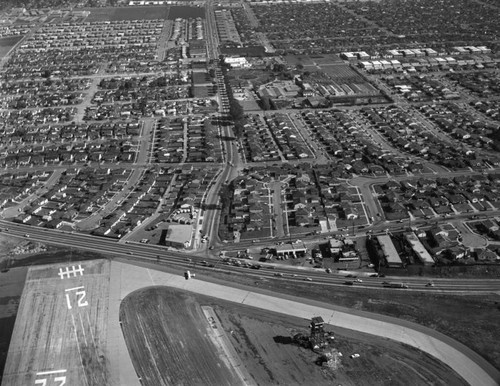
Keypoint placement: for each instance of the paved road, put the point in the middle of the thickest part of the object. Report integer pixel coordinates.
(473, 368)
(181, 260)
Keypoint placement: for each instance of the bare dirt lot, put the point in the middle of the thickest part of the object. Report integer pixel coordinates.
(166, 334)
(470, 319)
(168, 326)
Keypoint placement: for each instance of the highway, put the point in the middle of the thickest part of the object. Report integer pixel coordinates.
(161, 255)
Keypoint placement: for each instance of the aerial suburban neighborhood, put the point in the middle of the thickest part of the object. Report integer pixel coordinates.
(181, 151)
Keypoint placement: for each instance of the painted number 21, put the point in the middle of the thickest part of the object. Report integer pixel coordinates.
(80, 295)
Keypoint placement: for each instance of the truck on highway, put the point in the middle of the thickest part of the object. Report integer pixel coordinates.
(394, 284)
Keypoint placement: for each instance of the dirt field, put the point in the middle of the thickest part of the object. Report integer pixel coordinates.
(127, 13)
(168, 325)
(166, 333)
(61, 326)
(471, 320)
(186, 12)
(381, 361)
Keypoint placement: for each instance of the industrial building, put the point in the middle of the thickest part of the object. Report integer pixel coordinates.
(391, 256)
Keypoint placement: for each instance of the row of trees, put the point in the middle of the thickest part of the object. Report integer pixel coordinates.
(235, 110)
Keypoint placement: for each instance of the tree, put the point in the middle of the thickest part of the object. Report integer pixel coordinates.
(265, 103)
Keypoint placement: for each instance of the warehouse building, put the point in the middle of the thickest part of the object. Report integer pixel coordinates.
(391, 256)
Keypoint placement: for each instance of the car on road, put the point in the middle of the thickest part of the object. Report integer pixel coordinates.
(308, 279)
(26, 235)
(353, 356)
(278, 274)
(429, 284)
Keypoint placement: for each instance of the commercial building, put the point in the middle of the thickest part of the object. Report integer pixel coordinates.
(290, 250)
(237, 62)
(177, 236)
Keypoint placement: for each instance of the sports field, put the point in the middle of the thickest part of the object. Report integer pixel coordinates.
(61, 327)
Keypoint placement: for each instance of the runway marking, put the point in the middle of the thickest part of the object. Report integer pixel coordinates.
(51, 372)
(80, 295)
(83, 329)
(43, 382)
(151, 277)
(91, 332)
(61, 379)
(73, 289)
(78, 347)
(68, 273)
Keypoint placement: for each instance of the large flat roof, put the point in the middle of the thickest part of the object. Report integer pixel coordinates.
(390, 253)
(179, 233)
(419, 249)
(291, 248)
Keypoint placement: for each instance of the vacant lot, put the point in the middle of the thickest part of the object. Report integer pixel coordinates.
(167, 325)
(127, 13)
